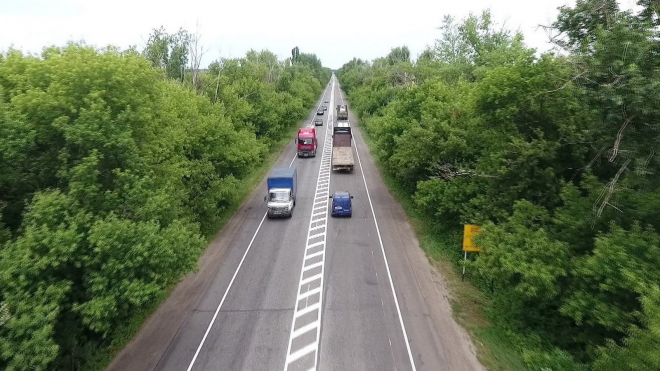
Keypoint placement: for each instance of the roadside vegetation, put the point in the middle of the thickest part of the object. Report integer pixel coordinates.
(116, 168)
(556, 157)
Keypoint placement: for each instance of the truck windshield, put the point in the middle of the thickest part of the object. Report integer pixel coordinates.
(279, 196)
(305, 141)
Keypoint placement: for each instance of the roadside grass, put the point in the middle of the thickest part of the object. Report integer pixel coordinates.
(99, 358)
(442, 246)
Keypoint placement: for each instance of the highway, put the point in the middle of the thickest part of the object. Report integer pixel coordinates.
(310, 292)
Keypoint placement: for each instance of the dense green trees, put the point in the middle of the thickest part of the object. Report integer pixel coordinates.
(114, 173)
(556, 156)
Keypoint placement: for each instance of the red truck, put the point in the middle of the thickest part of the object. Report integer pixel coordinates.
(307, 143)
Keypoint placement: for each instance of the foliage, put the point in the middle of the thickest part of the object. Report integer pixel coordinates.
(555, 156)
(262, 94)
(169, 53)
(114, 176)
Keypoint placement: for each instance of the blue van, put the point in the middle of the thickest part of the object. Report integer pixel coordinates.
(341, 204)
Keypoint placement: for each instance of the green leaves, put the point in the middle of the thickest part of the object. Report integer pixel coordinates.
(640, 350)
(26, 339)
(519, 255)
(112, 177)
(129, 264)
(622, 268)
(169, 52)
(36, 276)
(556, 156)
(262, 95)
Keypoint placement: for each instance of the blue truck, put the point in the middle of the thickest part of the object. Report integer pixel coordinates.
(282, 186)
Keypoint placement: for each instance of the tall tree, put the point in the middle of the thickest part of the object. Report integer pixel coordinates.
(169, 52)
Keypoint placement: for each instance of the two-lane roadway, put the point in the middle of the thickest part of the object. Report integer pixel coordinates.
(310, 292)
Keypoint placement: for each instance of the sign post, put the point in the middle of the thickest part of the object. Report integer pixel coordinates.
(463, 275)
(469, 231)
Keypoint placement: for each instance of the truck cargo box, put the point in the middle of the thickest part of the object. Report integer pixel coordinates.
(282, 201)
(341, 140)
(283, 177)
(342, 152)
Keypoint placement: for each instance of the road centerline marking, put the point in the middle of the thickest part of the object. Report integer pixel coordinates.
(319, 208)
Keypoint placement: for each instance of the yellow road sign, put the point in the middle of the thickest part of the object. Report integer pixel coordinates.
(468, 232)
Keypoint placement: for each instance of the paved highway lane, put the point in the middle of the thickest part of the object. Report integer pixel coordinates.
(362, 327)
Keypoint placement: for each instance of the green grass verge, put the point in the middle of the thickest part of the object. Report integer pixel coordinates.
(442, 246)
(99, 359)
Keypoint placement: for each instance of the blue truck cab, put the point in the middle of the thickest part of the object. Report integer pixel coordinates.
(341, 204)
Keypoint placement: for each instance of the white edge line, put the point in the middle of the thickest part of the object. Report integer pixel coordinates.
(389, 275)
(215, 315)
(208, 329)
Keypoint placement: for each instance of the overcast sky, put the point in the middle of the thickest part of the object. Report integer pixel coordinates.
(335, 31)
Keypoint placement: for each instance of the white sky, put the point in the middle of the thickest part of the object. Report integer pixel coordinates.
(335, 31)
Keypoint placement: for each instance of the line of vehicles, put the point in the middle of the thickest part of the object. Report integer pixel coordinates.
(282, 182)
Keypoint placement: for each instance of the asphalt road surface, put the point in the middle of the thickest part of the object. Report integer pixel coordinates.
(309, 292)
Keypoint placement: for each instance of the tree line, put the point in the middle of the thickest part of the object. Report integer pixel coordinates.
(554, 155)
(117, 166)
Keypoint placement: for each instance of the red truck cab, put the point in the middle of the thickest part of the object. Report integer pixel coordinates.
(307, 143)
